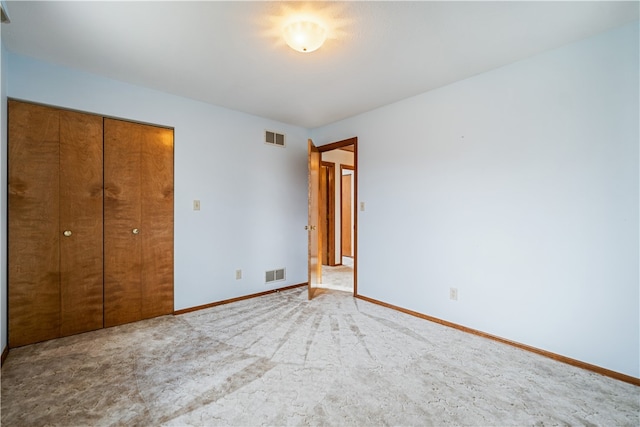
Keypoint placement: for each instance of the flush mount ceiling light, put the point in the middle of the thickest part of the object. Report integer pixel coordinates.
(304, 36)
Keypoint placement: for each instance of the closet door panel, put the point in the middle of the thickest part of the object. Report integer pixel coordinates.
(122, 217)
(157, 220)
(81, 207)
(33, 238)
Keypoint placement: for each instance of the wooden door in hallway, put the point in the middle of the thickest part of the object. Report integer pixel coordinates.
(327, 212)
(346, 206)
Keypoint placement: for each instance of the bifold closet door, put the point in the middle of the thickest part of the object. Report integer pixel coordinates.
(138, 239)
(81, 223)
(33, 221)
(55, 185)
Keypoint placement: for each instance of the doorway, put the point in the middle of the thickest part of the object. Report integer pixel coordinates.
(336, 239)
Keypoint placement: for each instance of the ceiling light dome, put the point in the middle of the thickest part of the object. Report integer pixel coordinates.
(304, 36)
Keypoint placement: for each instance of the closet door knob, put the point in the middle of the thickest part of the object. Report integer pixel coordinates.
(67, 233)
(135, 231)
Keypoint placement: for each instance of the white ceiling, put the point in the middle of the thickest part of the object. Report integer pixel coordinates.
(230, 53)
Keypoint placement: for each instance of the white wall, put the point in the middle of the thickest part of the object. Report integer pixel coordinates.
(519, 187)
(3, 196)
(253, 196)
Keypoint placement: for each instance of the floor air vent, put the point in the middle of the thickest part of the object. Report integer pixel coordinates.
(274, 138)
(274, 275)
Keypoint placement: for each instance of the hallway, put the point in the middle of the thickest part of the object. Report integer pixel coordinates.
(340, 277)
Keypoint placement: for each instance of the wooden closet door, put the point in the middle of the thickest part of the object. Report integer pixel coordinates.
(138, 196)
(122, 215)
(33, 222)
(157, 221)
(81, 208)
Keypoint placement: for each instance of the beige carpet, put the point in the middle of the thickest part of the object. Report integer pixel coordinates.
(281, 360)
(340, 277)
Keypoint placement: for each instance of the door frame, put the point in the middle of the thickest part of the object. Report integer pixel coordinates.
(333, 146)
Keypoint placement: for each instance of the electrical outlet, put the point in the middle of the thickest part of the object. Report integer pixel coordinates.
(196, 205)
(453, 294)
(238, 274)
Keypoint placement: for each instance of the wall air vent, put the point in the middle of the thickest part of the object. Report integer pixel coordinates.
(274, 275)
(274, 138)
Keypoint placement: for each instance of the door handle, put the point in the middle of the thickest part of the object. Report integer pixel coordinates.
(67, 233)
(135, 231)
